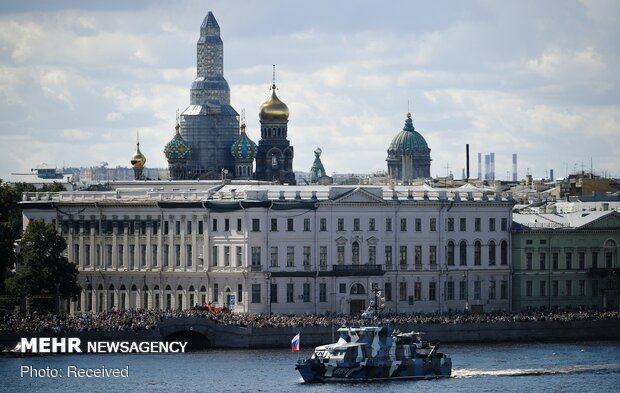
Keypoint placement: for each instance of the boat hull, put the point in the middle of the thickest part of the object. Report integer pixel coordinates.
(312, 371)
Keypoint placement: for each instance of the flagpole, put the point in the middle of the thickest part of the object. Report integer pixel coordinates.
(299, 350)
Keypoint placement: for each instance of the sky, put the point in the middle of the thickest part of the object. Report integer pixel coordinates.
(535, 78)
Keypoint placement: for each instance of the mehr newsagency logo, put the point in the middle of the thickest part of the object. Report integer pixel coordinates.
(74, 345)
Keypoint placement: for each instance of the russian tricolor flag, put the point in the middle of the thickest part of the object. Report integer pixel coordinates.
(295, 343)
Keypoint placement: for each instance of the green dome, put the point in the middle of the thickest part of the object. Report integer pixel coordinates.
(409, 139)
(177, 148)
(243, 148)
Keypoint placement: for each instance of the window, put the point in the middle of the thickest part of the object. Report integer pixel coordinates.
(528, 288)
(290, 295)
(450, 290)
(216, 293)
(98, 255)
(76, 254)
(432, 291)
(323, 256)
(594, 287)
(492, 290)
(355, 253)
(322, 292)
(543, 261)
(491, 253)
(569, 288)
(238, 256)
(177, 227)
(504, 253)
(306, 225)
(542, 288)
(255, 256)
(477, 290)
(143, 255)
(290, 256)
(342, 288)
(341, 224)
(594, 260)
(120, 261)
(403, 256)
(154, 254)
(306, 292)
(403, 225)
(238, 225)
(273, 293)
(432, 255)
(372, 255)
(307, 255)
(290, 224)
(477, 224)
(402, 292)
(200, 227)
(388, 256)
(274, 225)
(433, 224)
(528, 261)
(255, 293)
(504, 224)
(356, 224)
(492, 224)
(340, 255)
(273, 257)
(463, 253)
(388, 291)
(555, 257)
(504, 289)
(226, 255)
(463, 224)
(226, 224)
(188, 254)
(555, 287)
(177, 255)
(569, 260)
(388, 224)
(582, 287)
(87, 254)
(256, 225)
(214, 225)
(462, 290)
(132, 256)
(418, 255)
(166, 257)
(417, 291)
(418, 225)
(371, 224)
(323, 225)
(450, 253)
(477, 253)
(450, 224)
(582, 260)
(239, 293)
(166, 227)
(188, 228)
(214, 256)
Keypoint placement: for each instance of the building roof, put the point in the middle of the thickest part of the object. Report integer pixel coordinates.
(409, 140)
(571, 220)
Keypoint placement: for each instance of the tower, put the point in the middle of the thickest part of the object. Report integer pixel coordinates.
(244, 151)
(137, 161)
(274, 159)
(177, 152)
(209, 125)
(409, 156)
(514, 167)
(317, 171)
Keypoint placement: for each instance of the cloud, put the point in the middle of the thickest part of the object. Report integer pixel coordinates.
(73, 134)
(54, 84)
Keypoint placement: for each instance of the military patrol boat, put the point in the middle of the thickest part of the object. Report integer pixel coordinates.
(375, 353)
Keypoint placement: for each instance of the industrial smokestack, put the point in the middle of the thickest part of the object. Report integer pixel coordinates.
(467, 160)
(487, 167)
(551, 175)
(514, 167)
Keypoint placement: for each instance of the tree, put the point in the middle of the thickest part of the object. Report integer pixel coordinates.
(54, 187)
(43, 269)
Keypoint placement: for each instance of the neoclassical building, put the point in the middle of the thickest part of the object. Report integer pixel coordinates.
(284, 249)
(409, 156)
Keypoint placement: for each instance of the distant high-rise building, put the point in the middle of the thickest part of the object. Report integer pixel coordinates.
(514, 167)
(492, 159)
(487, 167)
(551, 177)
(479, 166)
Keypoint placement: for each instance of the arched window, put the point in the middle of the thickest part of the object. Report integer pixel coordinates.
(491, 253)
(274, 162)
(358, 289)
(504, 252)
(451, 253)
(477, 251)
(355, 253)
(463, 253)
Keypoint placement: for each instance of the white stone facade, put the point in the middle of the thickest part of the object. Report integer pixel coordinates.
(285, 249)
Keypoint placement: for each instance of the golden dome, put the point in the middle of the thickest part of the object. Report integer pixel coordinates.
(138, 159)
(273, 108)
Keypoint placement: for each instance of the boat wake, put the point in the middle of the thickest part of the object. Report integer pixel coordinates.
(523, 372)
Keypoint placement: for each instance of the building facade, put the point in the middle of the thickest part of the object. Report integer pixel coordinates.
(566, 260)
(283, 249)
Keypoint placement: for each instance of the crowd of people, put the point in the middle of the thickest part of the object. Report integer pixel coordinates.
(136, 320)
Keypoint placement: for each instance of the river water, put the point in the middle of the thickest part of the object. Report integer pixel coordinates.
(550, 367)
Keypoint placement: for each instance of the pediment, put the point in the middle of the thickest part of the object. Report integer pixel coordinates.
(609, 221)
(341, 240)
(361, 195)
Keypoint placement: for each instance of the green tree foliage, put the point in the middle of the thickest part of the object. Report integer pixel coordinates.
(43, 266)
(54, 187)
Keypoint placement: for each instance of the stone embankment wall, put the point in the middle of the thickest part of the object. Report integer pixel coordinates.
(225, 336)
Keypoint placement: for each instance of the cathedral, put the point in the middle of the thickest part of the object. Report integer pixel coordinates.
(208, 142)
(409, 156)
